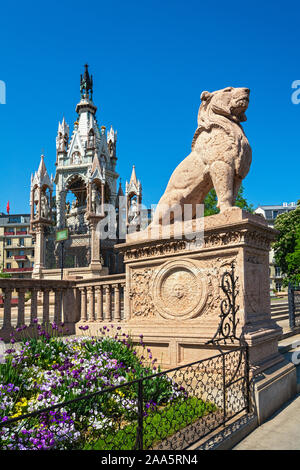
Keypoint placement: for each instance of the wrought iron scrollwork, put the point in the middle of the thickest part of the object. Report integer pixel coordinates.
(227, 329)
(227, 333)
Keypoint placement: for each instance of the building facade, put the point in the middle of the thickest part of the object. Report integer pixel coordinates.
(16, 245)
(270, 213)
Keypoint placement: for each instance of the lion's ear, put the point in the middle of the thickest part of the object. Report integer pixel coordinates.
(205, 95)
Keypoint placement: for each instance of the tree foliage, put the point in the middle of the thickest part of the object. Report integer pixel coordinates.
(287, 245)
(211, 201)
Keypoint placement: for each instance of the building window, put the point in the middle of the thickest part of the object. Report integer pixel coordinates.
(8, 265)
(278, 286)
(14, 220)
(9, 254)
(277, 271)
(268, 214)
(21, 242)
(32, 252)
(21, 252)
(8, 242)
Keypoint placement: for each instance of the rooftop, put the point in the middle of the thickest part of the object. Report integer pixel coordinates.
(16, 219)
(284, 205)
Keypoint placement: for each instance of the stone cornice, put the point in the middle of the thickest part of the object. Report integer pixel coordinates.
(244, 233)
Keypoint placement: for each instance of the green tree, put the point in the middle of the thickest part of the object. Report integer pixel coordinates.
(4, 275)
(287, 246)
(211, 200)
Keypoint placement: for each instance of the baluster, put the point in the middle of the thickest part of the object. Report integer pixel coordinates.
(99, 295)
(46, 317)
(107, 316)
(123, 287)
(21, 307)
(7, 307)
(117, 302)
(57, 306)
(33, 308)
(83, 313)
(91, 296)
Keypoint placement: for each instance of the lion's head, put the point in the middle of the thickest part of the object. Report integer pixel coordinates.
(220, 107)
(230, 102)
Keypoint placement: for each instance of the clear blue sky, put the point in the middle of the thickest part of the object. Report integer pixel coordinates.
(150, 62)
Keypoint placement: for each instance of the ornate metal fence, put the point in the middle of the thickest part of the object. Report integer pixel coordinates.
(76, 252)
(168, 410)
(294, 305)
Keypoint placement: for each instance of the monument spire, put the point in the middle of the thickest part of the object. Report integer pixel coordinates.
(86, 93)
(86, 84)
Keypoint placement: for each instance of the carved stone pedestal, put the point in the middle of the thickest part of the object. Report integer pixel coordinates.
(173, 293)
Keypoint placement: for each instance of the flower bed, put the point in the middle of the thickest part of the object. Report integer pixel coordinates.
(48, 370)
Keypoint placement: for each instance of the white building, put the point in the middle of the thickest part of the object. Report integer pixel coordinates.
(270, 213)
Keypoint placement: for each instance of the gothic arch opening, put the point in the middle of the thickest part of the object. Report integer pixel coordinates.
(76, 202)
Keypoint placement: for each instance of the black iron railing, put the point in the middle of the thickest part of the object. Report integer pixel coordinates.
(294, 305)
(172, 410)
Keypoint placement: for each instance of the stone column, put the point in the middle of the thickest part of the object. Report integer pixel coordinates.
(7, 308)
(46, 293)
(117, 316)
(99, 295)
(33, 308)
(91, 309)
(39, 251)
(123, 287)
(58, 306)
(107, 316)
(95, 264)
(83, 313)
(21, 307)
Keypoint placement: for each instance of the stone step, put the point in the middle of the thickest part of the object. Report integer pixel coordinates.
(273, 304)
(280, 317)
(275, 308)
(279, 307)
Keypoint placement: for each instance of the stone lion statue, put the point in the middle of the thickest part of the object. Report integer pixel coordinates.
(220, 157)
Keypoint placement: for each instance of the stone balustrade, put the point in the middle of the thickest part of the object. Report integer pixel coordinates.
(102, 299)
(26, 301)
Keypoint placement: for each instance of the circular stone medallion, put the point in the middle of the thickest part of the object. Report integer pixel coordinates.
(179, 290)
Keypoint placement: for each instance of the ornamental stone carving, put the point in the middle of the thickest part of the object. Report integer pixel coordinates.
(179, 290)
(139, 293)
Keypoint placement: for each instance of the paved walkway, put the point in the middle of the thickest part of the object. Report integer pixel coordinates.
(280, 432)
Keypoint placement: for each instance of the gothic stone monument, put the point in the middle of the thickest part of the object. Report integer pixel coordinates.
(173, 292)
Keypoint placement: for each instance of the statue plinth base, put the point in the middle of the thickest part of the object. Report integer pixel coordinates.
(173, 293)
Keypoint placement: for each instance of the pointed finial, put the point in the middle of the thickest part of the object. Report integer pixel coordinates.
(133, 175)
(86, 84)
